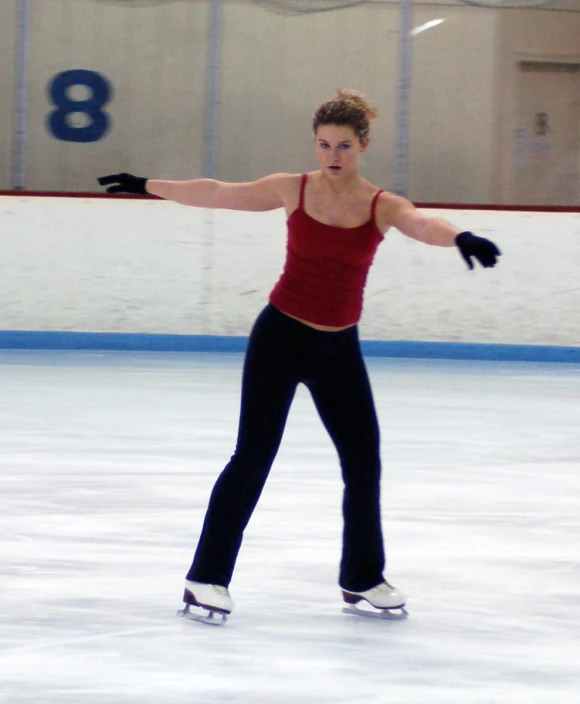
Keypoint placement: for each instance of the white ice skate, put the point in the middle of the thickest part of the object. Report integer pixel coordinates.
(211, 603)
(385, 601)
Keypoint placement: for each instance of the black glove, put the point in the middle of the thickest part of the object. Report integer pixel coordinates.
(483, 250)
(124, 183)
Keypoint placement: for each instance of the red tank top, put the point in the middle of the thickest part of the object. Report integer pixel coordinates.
(326, 268)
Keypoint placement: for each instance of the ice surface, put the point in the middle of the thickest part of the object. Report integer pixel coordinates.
(106, 464)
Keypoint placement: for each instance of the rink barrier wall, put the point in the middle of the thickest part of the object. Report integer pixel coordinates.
(80, 271)
(30, 340)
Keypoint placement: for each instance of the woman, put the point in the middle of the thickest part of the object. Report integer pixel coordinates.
(308, 333)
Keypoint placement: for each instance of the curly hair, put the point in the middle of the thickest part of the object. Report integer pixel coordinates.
(346, 107)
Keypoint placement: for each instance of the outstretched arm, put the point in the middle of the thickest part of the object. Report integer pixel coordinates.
(402, 214)
(264, 194)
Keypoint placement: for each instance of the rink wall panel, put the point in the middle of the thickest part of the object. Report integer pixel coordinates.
(150, 267)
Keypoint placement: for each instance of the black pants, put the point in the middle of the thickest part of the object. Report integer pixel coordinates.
(283, 352)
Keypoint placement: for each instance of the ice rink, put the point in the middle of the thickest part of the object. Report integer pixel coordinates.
(107, 461)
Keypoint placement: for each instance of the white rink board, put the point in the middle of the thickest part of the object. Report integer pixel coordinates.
(144, 266)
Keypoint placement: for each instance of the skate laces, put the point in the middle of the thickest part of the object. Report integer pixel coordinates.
(385, 588)
(220, 590)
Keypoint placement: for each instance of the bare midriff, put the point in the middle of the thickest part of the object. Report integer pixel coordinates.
(322, 328)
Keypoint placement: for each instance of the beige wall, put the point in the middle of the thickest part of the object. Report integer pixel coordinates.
(7, 32)
(154, 55)
(452, 105)
(526, 35)
(276, 70)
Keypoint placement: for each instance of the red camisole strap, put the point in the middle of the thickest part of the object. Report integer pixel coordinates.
(302, 187)
(374, 207)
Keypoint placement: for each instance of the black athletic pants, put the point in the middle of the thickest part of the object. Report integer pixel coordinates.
(283, 352)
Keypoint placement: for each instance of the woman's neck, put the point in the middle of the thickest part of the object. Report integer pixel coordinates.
(338, 187)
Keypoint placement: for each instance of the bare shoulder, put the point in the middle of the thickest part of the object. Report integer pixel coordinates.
(266, 193)
(389, 201)
(289, 189)
(389, 209)
(287, 184)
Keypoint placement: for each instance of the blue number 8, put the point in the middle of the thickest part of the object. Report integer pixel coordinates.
(101, 91)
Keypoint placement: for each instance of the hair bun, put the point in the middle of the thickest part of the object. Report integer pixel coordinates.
(346, 107)
(357, 100)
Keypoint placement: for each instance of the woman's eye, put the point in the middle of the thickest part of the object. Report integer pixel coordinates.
(344, 147)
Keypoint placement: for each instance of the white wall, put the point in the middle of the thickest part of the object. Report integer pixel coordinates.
(116, 265)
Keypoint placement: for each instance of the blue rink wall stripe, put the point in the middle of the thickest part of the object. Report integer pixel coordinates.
(139, 342)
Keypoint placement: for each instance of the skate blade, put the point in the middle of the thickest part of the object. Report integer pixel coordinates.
(211, 618)
(398, 614)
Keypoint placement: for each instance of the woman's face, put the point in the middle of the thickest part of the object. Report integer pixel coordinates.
(338, 150)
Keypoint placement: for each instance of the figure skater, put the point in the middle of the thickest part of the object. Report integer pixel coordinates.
(308, 333)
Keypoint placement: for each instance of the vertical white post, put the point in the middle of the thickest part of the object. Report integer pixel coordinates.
(401, 186)
(210, 151)
(212, 96)
(19, 138)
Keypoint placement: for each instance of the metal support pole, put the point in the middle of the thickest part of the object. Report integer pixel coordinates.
(20, 131)
(212, 98)
(403, 99)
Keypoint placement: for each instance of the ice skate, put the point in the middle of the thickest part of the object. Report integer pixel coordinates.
(211, 603)
(383, 601)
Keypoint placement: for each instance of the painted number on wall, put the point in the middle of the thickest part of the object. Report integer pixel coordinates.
(79, 118)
